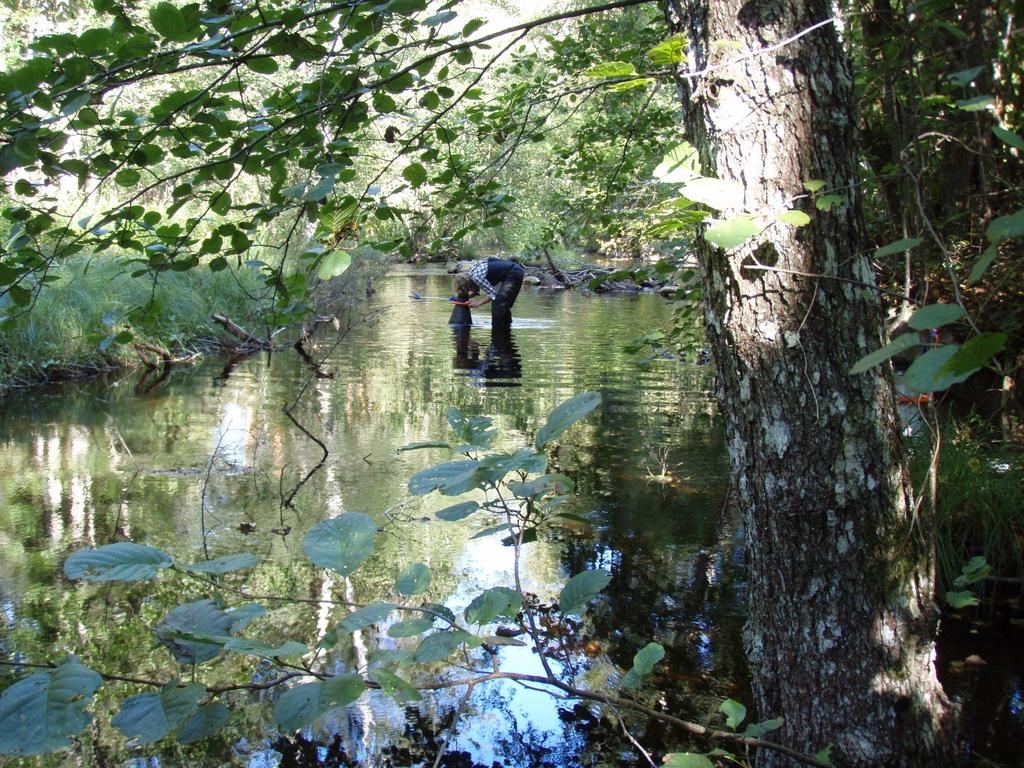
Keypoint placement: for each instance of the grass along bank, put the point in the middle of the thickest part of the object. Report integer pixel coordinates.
(79, 319)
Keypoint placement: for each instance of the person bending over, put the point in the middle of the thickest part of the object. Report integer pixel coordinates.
(499, 280)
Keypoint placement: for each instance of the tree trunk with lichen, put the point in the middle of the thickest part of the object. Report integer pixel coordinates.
(841, 613)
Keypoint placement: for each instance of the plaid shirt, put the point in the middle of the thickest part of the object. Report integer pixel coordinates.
(478, 274)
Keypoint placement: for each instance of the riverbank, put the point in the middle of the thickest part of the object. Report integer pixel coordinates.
(95, 317)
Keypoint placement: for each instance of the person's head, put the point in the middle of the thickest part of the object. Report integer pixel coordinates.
(465, 287)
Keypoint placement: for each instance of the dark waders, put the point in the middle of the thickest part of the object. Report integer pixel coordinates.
(507, 280)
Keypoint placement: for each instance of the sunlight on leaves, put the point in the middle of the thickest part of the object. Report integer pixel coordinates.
(732, 233)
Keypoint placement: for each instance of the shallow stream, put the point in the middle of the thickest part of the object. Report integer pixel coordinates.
(206, 463)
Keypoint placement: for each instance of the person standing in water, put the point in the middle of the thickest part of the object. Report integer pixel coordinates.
(499, 280)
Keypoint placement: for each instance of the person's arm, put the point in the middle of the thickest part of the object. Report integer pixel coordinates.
(478, 274)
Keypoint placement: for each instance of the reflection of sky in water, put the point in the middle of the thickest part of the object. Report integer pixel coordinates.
(1016, 704)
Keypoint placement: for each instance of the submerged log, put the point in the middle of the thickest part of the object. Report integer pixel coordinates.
(239, 332)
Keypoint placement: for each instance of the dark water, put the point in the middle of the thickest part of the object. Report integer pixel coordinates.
(206, 463)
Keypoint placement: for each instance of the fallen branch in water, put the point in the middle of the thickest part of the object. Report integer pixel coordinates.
(248, 340)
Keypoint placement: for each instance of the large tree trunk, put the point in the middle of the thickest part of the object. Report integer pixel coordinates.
(841, 613)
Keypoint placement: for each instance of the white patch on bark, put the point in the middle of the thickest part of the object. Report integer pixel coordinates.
(768, 330)
(777, 437)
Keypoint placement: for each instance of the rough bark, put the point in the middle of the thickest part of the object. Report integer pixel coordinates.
(841, 613)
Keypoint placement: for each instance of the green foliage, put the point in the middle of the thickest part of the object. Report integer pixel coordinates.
(687, 760)
(182, 627)
(300, 705)
(499, 601)
(735, 713)
(581, 589)
(148, 717)
(643, 665)
(565, 415)
(122, 561)
(413, 580)
(42, 712)
(341, 543)
(977, 512)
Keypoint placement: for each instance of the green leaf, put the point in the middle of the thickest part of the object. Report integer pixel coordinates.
(977, 104)
(669, 51)
(122, 561)
(200, 617)
(926, 374)
(894, 347)
(127, 177)
(794, 218)
(814, 185)
(221, 204)
(457, 511)
(758, 730)
(935, 316)
(542, 485)
(961, 599)
(898, 247)
(565, 415)
(647, 657)
(374, 613)
(732, 233)
(611, 69)
(415, 174)
(735, 713)
(983, 263)
(714, 193)
(627, 85)
(302, 704)
(581, 589)
(206, 721)
(687, 760)
(394, 686)
(473, 430)
(828, 202)
(170, 22)
(148, 717)
(1005, 227)
(975, 353)
(410, 627)
(439, 646)
(225, 564)
(643, 665)
(243, 615)
(492, 603)
(333, 264)
(439, 18)
(681, 164)
(321, 189)
(451, 478)
(976, 569)
(341, 543)
(263, 65)
(414, 580)
(265, 650)
(384, 103)
(964, 76)
(42, 712)
(1008, 137)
